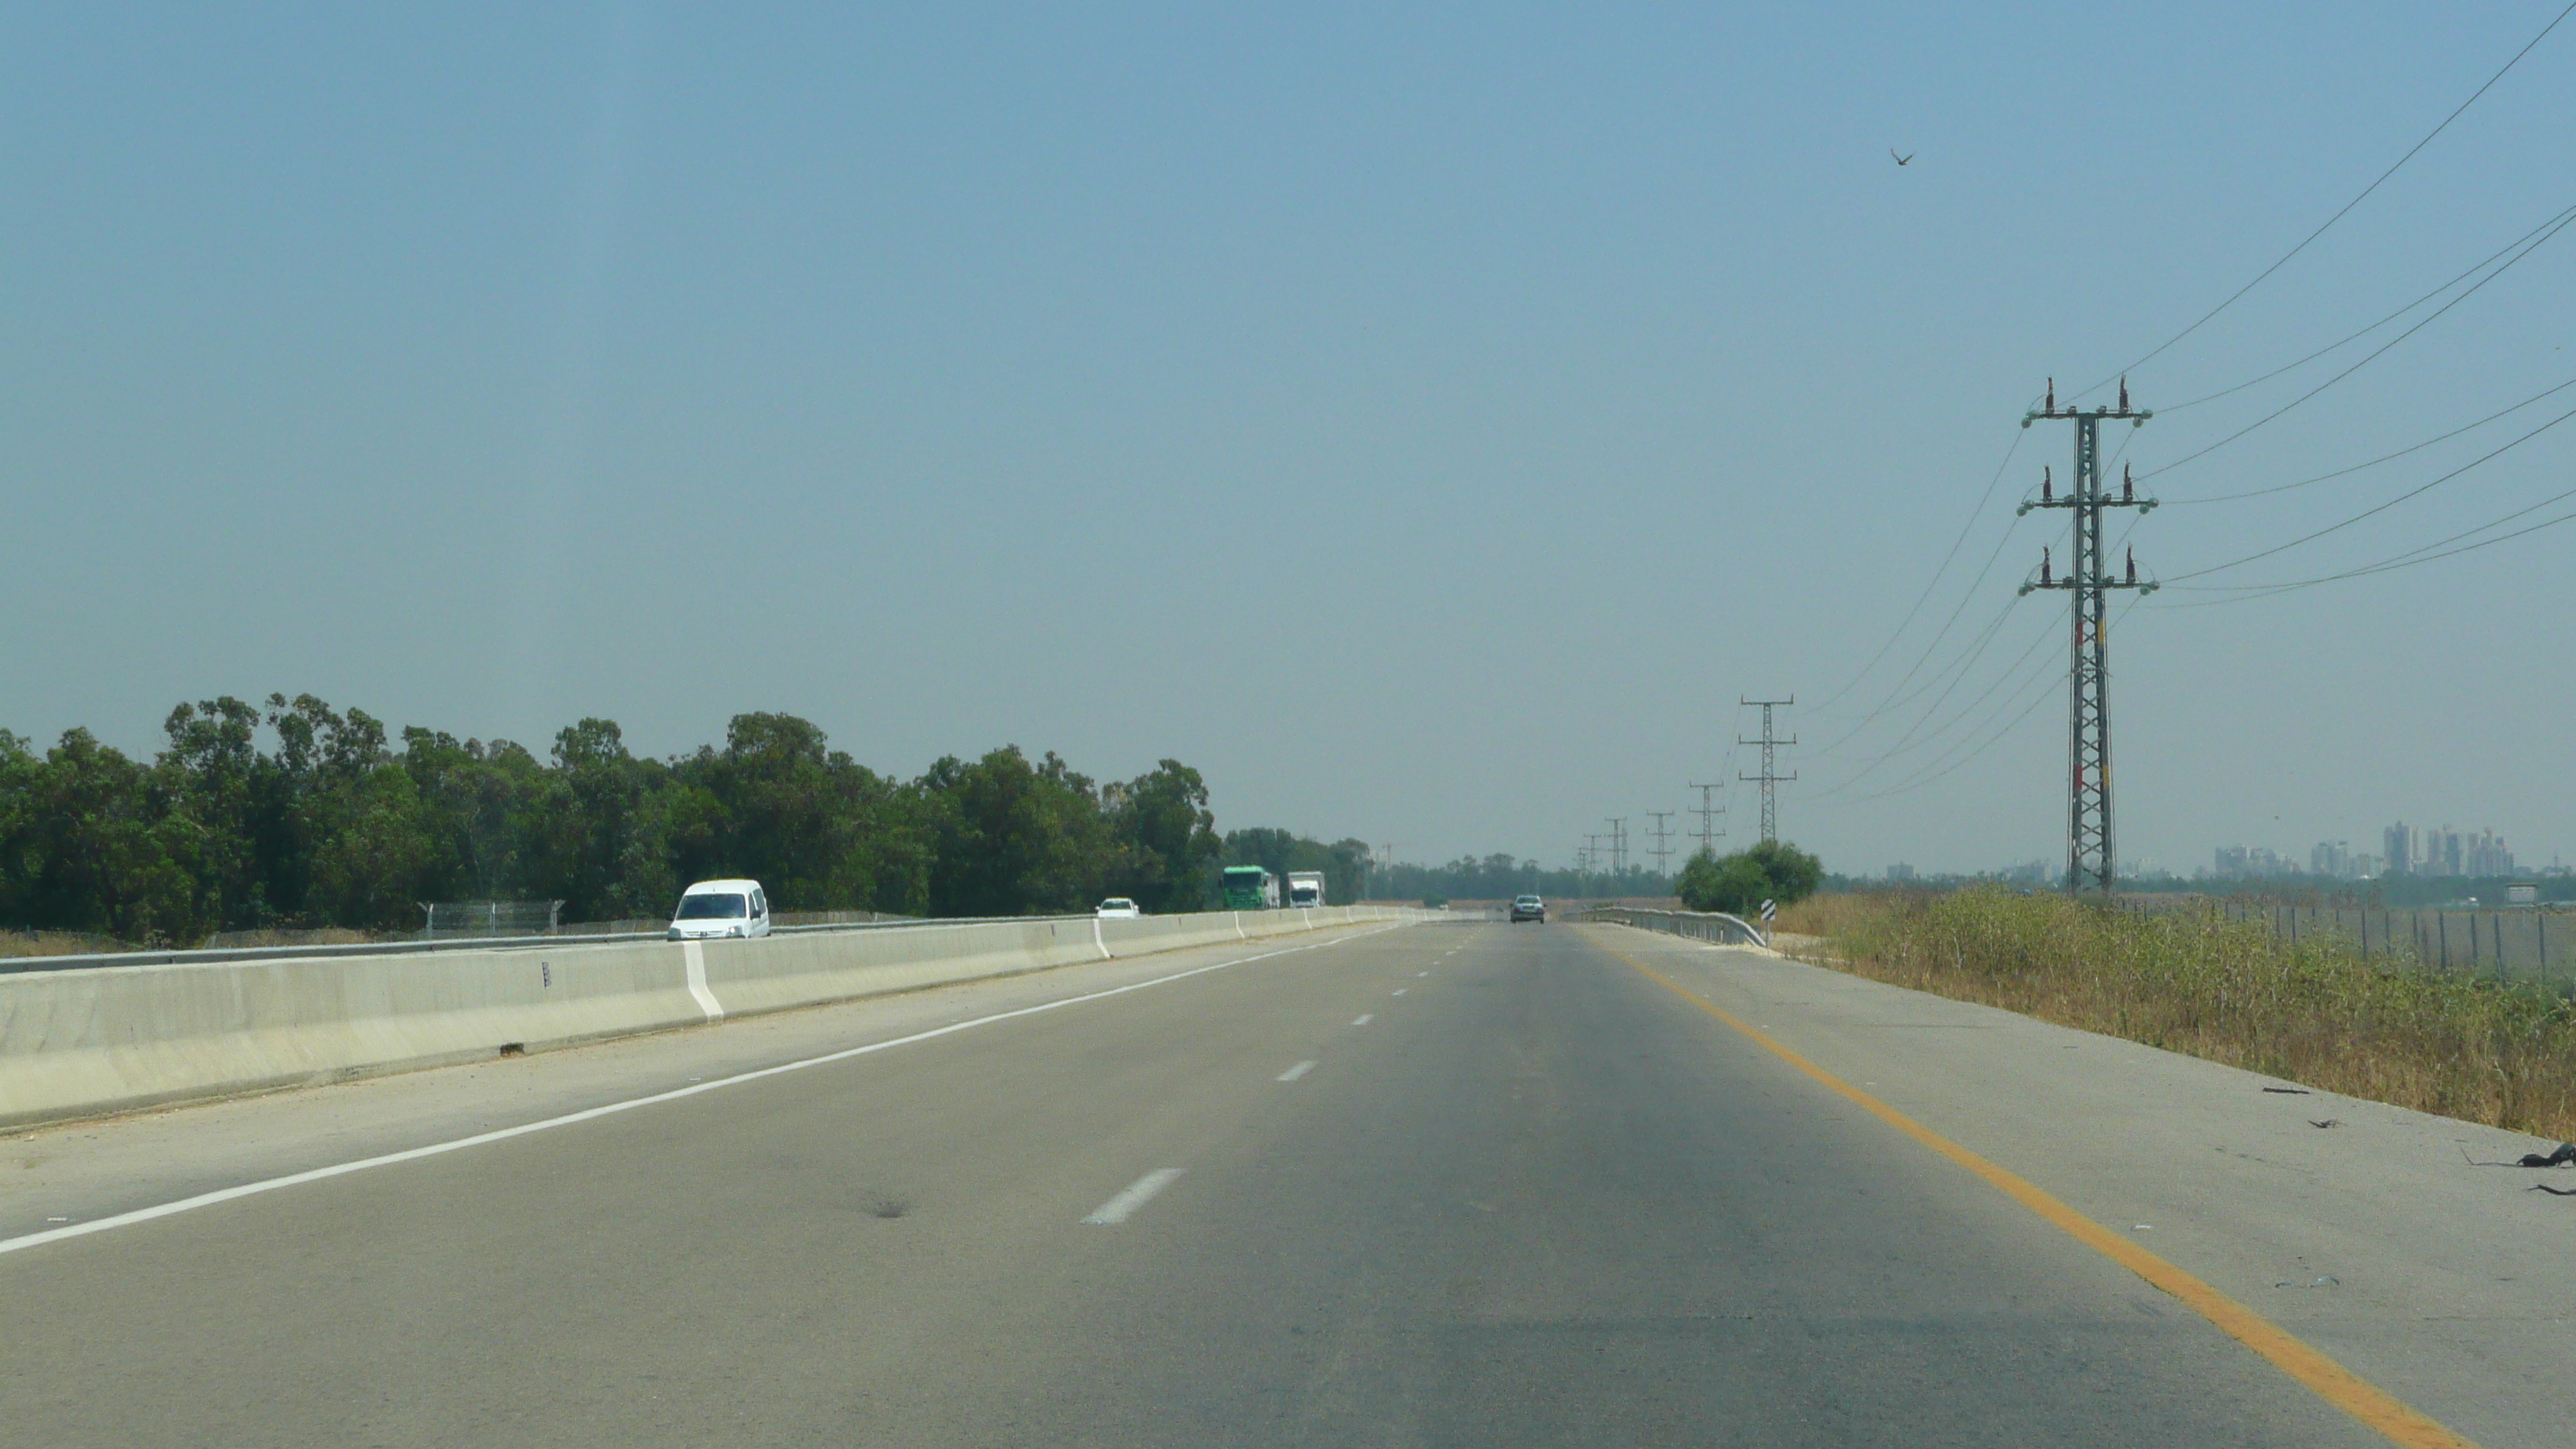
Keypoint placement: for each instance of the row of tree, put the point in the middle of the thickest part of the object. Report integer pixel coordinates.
(1502, 876)
(1345, 864)
(298, 814)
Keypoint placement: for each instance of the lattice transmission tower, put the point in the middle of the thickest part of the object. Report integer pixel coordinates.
(2092, 855)
(1769, 777)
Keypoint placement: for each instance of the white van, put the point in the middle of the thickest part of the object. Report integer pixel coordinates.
(721, 908)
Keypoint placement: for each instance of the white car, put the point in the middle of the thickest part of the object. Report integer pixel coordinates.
(714, 908)
(1119, 908)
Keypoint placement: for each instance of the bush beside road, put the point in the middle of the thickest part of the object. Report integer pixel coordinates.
(2500, 1053)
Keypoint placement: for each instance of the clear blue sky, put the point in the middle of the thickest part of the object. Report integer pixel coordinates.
(1426, 421)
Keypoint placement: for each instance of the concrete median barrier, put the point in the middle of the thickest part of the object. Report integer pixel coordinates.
(104, 1039)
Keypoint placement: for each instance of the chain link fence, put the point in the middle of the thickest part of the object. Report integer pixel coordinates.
(2534, 943)
(449, 920)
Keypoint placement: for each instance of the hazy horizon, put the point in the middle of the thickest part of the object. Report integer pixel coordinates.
(1425, 423)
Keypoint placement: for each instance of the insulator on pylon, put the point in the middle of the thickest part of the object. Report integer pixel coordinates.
(2124, 393)
(2045, 496)
(2133, 566)
(2128, 486)
(2052, 396)
(2043, 567)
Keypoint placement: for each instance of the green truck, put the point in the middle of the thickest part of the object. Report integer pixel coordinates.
(1250, 888)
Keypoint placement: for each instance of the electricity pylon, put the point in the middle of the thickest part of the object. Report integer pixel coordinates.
(2092, 858)
(1708, 813)
(1770, 805)
(1662, 850)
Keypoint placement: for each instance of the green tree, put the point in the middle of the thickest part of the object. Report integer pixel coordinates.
(1738, 884)
(109, 855)
(1014, 837)
(1167, 838)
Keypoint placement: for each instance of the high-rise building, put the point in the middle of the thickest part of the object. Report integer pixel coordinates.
(2330, 858)
(2397, 846)
(2485, 855)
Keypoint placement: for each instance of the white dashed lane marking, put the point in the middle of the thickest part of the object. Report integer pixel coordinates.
(1138, 1193)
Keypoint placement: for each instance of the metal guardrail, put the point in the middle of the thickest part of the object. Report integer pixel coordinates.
(1712, 926)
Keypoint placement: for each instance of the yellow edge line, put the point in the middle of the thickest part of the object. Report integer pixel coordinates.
(2330, 1381)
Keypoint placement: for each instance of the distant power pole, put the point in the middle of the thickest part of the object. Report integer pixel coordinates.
(1618, 843)
(1708, 813)
(2092, 862)
(1768, 778)
(1663, 849)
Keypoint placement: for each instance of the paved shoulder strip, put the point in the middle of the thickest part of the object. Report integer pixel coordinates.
(2364, 1401)
(435, 1149)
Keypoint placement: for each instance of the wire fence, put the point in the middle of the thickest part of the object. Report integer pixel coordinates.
(448, 920)
(2529, 942)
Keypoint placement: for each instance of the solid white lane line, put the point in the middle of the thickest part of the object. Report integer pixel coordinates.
(1365, 1018)
(1138, 1193)
(1293, 1073)
(435, 1149)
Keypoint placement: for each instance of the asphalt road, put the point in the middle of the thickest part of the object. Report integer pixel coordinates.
(1470, 1185)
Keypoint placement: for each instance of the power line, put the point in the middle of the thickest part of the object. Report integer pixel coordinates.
(2560, 225)
(1929, 585)
(2375, 462)
(2383, 176)
(2375, 354)
(2352, 337)
(2384, 507)
(2422, 554)
(1908, 741)
(1955, 674)
(2003, 680)
(2046, 681)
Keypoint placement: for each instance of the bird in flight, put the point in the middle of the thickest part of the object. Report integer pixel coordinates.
(1900, 160)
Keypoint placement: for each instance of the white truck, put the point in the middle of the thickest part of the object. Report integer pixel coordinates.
(1305, 888)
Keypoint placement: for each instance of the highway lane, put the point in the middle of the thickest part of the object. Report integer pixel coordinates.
(1443, 1185)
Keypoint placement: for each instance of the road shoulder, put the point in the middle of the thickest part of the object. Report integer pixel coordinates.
(2372, 1239)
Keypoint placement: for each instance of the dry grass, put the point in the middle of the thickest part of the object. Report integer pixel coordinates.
(2314, 1012)
(54, 943)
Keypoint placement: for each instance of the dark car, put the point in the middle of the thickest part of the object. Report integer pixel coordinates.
(1529, 908)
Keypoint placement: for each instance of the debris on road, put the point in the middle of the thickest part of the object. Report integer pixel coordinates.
(2553, 1191)
(2327, 1280)
(2289, 1091)
(2564, 1156)
(2329, 1122)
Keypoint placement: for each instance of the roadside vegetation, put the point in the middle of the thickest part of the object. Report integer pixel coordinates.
(1738, 884)
(295, 816)
(2315, 1012)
